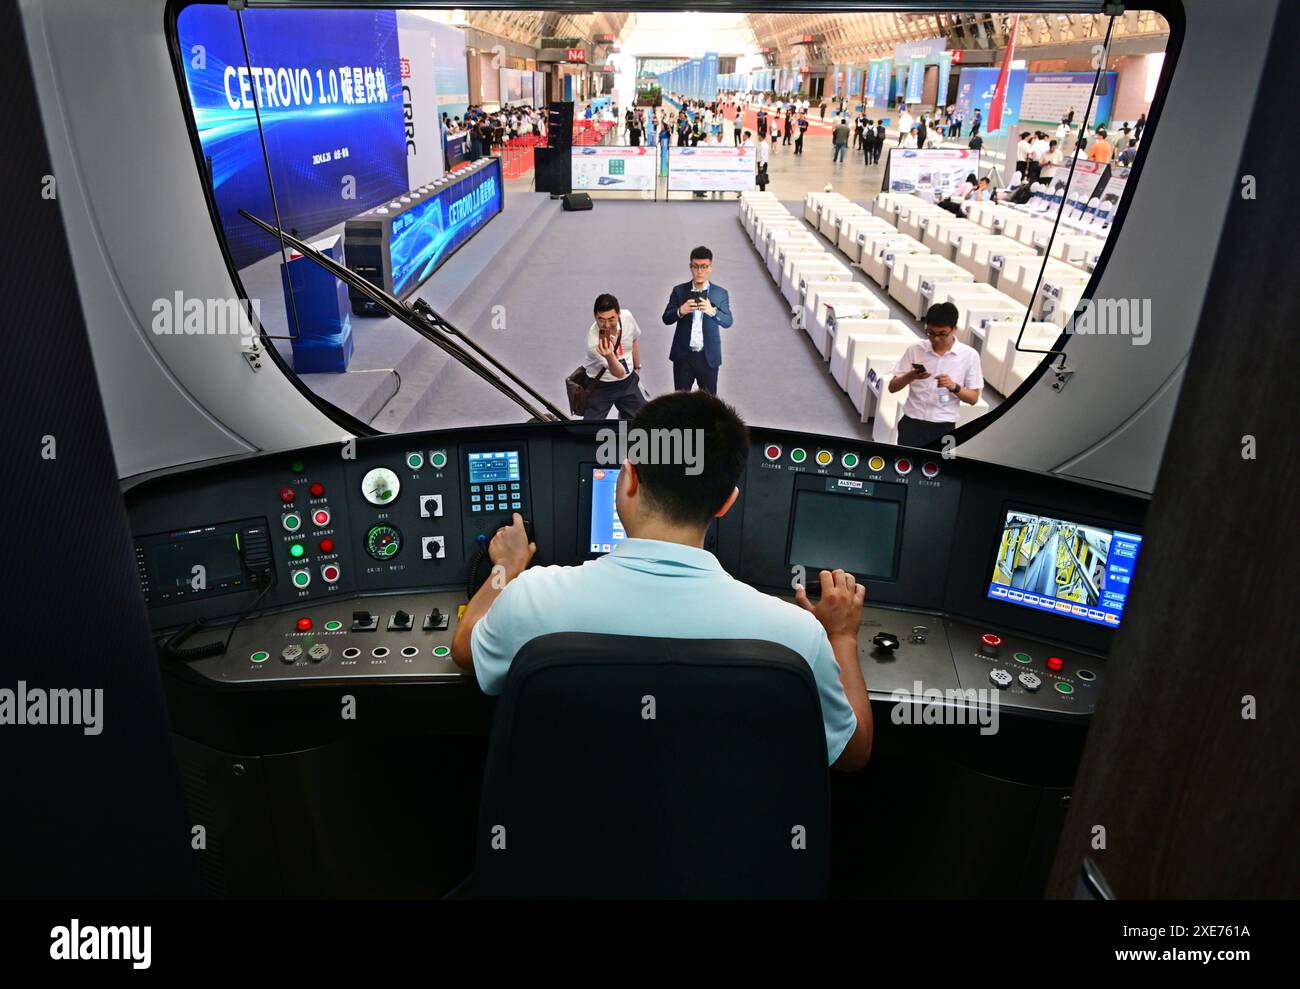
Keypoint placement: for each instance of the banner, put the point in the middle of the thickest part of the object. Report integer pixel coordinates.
(1049, 96)
(329, 89)
(915, 79)
(451, 73)
(945, 74)
(975, 90)
(715, 169)
(613, 169)
(931, 174)
(424, 131)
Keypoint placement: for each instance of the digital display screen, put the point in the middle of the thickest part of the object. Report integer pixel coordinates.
(493, 466)
(1067, 568)
(424, 236)
(606, 527)
(852, 532)
(191, 562)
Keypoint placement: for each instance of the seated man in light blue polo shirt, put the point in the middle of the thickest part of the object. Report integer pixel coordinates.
(666, 513)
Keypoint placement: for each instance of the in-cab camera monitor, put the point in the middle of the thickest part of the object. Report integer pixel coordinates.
(1074, 569)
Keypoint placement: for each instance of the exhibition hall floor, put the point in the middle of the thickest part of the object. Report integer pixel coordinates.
(524, 286)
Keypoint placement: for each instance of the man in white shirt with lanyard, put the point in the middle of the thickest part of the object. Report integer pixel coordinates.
(939, 374)
(613, 361)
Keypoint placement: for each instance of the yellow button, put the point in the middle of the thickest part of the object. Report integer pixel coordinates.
(824, 457)
(876, 463)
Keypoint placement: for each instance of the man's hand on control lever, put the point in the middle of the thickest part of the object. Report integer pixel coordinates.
(511, 549)
(840, 607)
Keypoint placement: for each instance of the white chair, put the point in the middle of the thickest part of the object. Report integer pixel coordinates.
(975, 303)
(804, 269)
(880, 251)
(840, 300)
(995, 353)
(787, 238)
(982, 255)
(885, 332)
(1060, 294)
(916, 280)
(855, 229)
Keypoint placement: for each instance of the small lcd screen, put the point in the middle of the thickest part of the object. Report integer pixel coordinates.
(195, 561)
(606, 527)
(493, 465)
(848, 532)
(1065, 567)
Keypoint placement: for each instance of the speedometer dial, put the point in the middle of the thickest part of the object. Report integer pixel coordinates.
(383, 542)
(380, 486)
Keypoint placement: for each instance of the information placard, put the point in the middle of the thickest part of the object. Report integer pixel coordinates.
(714, 169)
(613, 169)
(931, 173)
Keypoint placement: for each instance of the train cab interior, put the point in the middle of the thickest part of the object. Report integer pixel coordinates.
(249, 547)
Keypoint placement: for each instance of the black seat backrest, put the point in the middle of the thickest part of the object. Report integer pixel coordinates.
(624, 766)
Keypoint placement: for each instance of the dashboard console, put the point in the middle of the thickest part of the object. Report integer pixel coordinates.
(354, 560)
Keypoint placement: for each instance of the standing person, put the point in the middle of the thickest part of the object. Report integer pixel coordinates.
(633, 131)
(1051, 159)
(868, 141)
(665, 139)
(1022, 156)
(701, 310)
(975, 122)
(1037, 152)
(905, 124)
(762, 123)
(859, 129)
(1139, 127)
(1101, 151)
(921, 130)
(840, 139)
(763, 154)
(613, 361)
(803, 128)
(939, 374)
(823, 109)
(789, 124)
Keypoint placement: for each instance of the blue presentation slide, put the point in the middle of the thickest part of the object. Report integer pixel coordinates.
(606, 527)
(328, 86)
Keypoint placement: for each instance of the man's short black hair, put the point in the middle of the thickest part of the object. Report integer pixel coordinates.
(693, 499)
(941, 314)
(702, 253)
(605, 303)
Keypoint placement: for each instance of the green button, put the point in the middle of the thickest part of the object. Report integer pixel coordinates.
(798, 455)
(850, 461)
(292, 521)
(296, 550)
(441, 651)
(415, 460)
(438, 459)
(333, 625)
(1024, 657)
(261, 656)
(298, 466)
(1064, 688)
(301, 578)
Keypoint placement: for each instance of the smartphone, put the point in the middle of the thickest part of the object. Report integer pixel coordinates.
(699, 295)
(918, 367)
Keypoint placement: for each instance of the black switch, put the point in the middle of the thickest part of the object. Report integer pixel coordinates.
(435, 621)
(400, 622)
(885, 641)
(364, 621)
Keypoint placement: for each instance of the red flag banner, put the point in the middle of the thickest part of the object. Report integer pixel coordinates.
(1000, 92)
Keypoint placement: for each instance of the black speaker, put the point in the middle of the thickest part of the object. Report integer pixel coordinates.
(552, 170)
(577, 201)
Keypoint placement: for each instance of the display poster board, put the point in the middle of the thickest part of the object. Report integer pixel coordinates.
(1049, 96)
(932, 173)
(613, 169)
(711, 169)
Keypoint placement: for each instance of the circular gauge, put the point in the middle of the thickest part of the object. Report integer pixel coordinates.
(380, 486)
(383, 542)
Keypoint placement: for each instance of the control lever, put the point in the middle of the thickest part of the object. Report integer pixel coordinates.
(885, 641)
(477, 572)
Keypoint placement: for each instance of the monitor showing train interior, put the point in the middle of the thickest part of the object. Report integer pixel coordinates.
(606, 530)
(1069, 568)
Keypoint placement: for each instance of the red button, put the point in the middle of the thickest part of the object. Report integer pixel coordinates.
(1055, 664)
(287, 495)
(931, 469)
(321, 517)
(989, 639)
(773, 452)
(330, 573)
(327, 545)
(903, 465)
(317, 490)
(304, 624)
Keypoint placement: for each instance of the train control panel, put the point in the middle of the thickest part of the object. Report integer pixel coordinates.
(355, 560)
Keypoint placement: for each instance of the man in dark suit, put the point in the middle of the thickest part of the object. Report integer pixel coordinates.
(700, 309)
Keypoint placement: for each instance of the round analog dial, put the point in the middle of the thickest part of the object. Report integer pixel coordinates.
(380, 486)
(383, 542)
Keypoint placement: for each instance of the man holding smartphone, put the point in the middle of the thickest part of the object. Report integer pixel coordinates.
(939, 374)
(701, 310)
(613, 361)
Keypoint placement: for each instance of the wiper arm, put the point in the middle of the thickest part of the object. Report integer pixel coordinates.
(427, 322)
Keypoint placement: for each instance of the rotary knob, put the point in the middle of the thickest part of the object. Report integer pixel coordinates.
(885, 641)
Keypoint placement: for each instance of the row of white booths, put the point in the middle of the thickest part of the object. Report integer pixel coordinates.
(987, 264)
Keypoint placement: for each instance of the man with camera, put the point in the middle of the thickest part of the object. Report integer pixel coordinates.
(701, 310)
(613, 361)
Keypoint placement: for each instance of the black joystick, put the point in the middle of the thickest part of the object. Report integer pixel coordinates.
(885, 641)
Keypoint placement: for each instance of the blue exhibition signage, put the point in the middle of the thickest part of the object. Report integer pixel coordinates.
(328, 86)
(424, 236)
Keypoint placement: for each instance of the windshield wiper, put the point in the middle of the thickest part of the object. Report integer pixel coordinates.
(430, 324)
